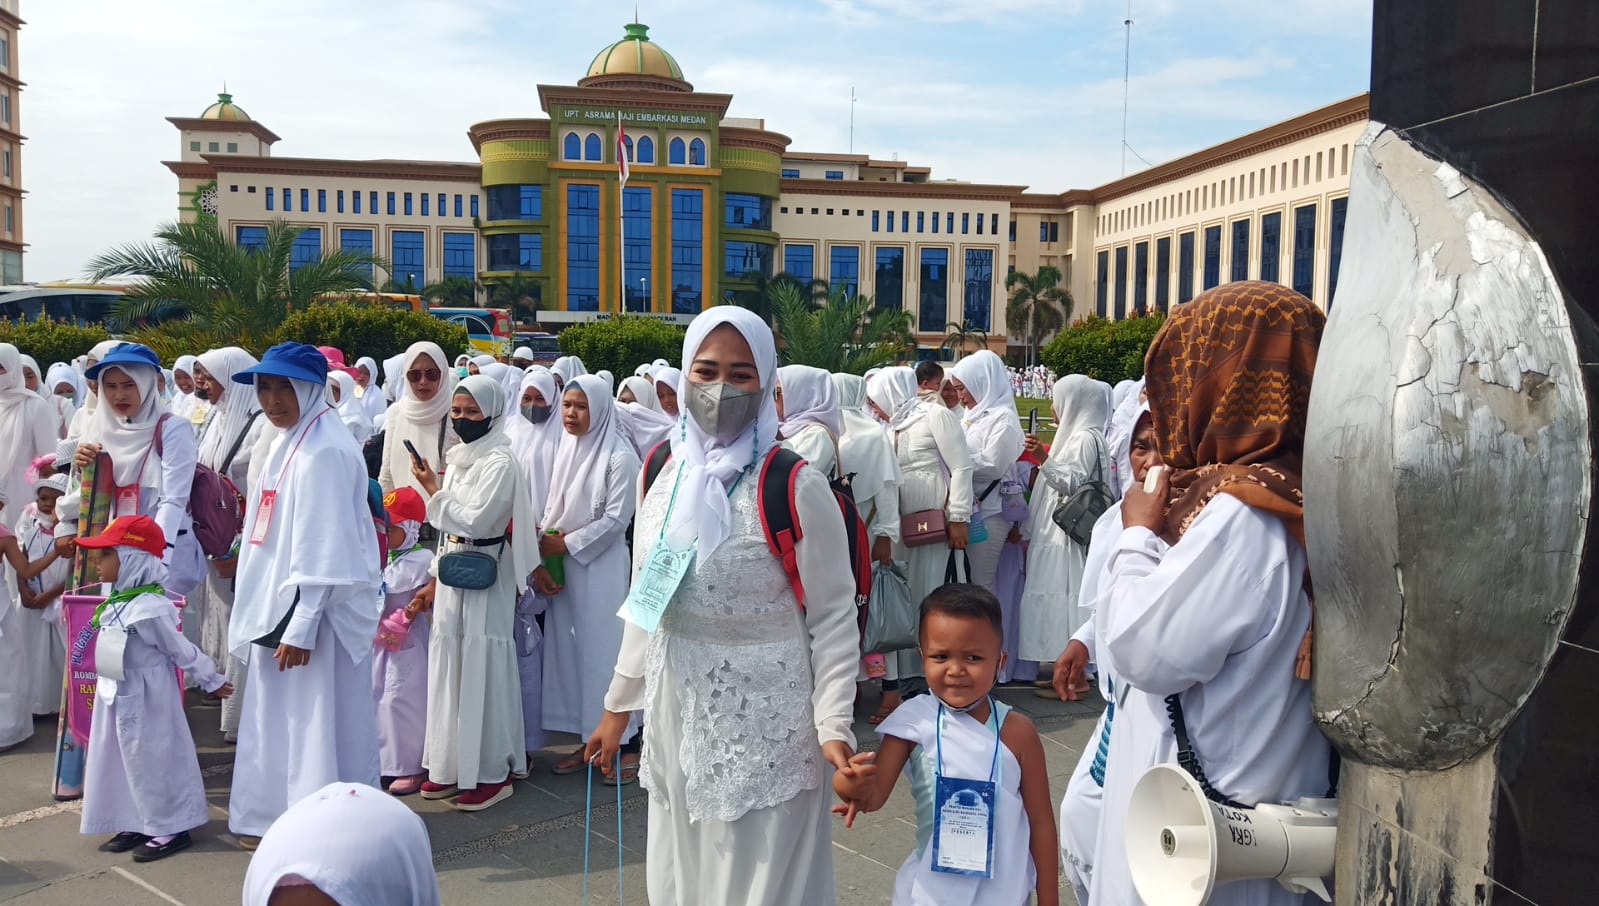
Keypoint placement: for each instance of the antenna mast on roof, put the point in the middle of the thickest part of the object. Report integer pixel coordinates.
(852, 119)
(1127, 69)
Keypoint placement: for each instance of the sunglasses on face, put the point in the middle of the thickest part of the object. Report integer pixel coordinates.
(432, 374)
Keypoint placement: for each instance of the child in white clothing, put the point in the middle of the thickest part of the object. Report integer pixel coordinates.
(967, 754)
(400, 666)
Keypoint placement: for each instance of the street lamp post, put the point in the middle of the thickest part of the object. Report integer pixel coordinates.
(644, 295)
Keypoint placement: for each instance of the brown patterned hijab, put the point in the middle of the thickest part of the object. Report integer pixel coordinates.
(1229, 387)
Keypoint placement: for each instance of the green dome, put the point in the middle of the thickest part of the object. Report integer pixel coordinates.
(635, 54)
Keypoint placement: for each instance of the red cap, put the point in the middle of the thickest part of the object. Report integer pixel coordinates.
(141, 532)
(405, 505)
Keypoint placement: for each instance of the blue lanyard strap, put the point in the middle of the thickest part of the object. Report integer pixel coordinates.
(993, 718)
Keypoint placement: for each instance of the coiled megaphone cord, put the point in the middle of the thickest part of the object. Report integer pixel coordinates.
(1188, 759)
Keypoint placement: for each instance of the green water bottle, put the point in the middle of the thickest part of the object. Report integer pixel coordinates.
(556, 564)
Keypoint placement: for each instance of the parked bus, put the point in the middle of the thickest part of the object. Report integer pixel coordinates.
(80, 304)
(488, 330)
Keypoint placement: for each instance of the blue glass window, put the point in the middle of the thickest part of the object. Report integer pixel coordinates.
(1141, 278)
(583, 248)
(646, 150)
(424, 204)
(904, 221)
(1271, 253)
(571, 147)
(391, 204)
(740, 259)
(696, 153)
(460, 255)
(935, 290)
(979, 286)
(360, 243)
(322, 201)
(875, 217)
(921, 221)
(627, 146)
(890, 217)
(844, 269)
(1340, 209)
(407, 252)
(288, 200)
(638, 203)
(936, 219)
(592, 148)
(1240, 250)
(305, 201)
(1212, 256)
(835, 174)
(516, 252)
(676, 152)
(515, 202)
(474, 206)
(748, 212)
(1013, 231)
(269, 197)
(1102, 284)
(799, 261)
(1121, 283)
(355, 201)
(966, 223)
(373, 207)
(688, 249)
(458, 205)
(1185, 267)
(1162, 272)
(1305, 249)
(307, 249)
(889, 279)
(790, 174)
(442, 210)
(408, 204)
(251, 238)
(339, 200)
(979, 224)
(993, 224)
(949, 223)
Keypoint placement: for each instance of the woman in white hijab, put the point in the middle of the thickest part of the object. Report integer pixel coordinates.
(394, 378)
(666, 380)
(810, 422)
(507, 377)
(639, 411)
(1050, 612)
(866, 453)
(341, 396)
(422, 417)
(87, 404)
(366, 381)
(536, 434)
(475, 735)
(64, 381)
(44, 632)
(350, 843)
(585, 523)
(568, 367)
(994, 436)
(1119, 435)
(748, 692)
(639, 390)
(183, 398)
(33, 380)
(29, 426)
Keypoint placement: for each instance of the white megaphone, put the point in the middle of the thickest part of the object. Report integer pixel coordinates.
(1181, 845)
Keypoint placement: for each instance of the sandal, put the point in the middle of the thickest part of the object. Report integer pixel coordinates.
(571, 764)
(627, 775)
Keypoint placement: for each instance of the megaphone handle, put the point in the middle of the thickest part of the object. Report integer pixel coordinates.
(1188, 758)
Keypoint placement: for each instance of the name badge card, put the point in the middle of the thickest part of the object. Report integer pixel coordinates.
(263, 517)
(657, 582)
(963, 827)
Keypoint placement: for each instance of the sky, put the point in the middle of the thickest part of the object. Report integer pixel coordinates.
(1012, 92)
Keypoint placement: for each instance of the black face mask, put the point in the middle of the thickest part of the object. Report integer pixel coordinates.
(471, 429)
(538, 415)
(203, 393)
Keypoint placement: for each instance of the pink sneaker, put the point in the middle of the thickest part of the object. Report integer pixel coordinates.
(405, 786)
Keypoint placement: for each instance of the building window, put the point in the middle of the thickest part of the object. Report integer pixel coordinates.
(582, 248)
(407, 254)
(742, 259)
(993, 224)
(1102, 284)
(949, 224)
(1121, 283)
(676, 154)
(307, 249)
(442, 199)
(1212, 256)
(1185, 267)
(357, 242)
(979, 287)
(966, 223)
(305, 201)
(790, 174)
(515, 202)
(799, 262)
(593, 148)
(748, 212)
(835, 174)
(627, 146)
(338, 199)
(935, 220)
(372, 206)
(571, 147)
(889, 215)
(688, 250)
(1335, 242)
(251, 238)
(1162, 272)
(458, 205)
(646, 150)
(1240, 250)
(934, 299)
(905, 221)
(889, 277)
(233, 147)
(921, 221)
(844, 269)
(424, 204)
(876, 219)
(213, 147)
(408, 204)
(979, 224)
(391, 204)
(460, 255)
(638, 204)
(322, 201)
(696, 153)
(1013, 231)
(474, 207)
(5, 51)
(355, 201)
(1271, 231)
(1305, 250)
(1141, 278)
(193, 146)
(516, 252)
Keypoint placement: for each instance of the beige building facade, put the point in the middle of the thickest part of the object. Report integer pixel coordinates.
(12, 244)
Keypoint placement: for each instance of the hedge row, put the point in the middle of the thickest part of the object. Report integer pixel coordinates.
(1109, 351)
(51, 341)
(621, 344)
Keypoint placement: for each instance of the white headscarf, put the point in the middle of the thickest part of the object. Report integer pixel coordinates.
(643, 371)
(894, 391)
(672, 378)
(1081, 407)
(983, 374)
(507, 377)
(394, 378)
(129, 440)
(416, 421)
(490, 398)
(96, 353)
(372, 398)
(1119, 436)
(358, 845)
(865, 449)
(608, 378)
(535, 446)
(809, 399)
(578, 484)
(643, 392)
(568, 367)
(25, 419)
(349, 407)
(524, 353)
(230, 416)
(62, 373)
(709, 467)
(29, 363)
(137, 567)
(482, 360)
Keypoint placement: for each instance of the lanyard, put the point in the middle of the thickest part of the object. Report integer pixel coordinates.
(121, 599)
(671, 504)
(285, 470)
(993, 714)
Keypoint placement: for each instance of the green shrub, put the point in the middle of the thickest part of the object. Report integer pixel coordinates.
(620, 345)
(370, 330)
(51, 341)
(1109, 351)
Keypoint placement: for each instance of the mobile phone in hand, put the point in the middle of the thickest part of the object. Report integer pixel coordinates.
(415, 456)
(1032, 421)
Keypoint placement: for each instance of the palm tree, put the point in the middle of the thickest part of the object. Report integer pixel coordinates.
(844, 335)
(962, 334)
(457, 292)
(223, 293)
(1040, 303)
(522, 293)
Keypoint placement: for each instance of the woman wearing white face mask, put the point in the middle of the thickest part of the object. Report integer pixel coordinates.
(747, 691)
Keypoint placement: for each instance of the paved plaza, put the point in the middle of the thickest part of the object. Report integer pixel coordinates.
(528, 849)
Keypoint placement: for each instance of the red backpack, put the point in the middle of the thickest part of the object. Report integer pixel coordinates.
(215, 504)
(779, 473)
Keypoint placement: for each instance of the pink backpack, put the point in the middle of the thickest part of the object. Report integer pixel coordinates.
(215, 504)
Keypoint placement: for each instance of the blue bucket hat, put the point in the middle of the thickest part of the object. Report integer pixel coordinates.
(295, 361)
(126, 354)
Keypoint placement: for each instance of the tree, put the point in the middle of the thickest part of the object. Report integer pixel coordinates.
(622, 343)
(222, 293)
(844, 335)
(1038, 305)
(762, 298)
(452, 292)
(521, 293)
(1109, 351)
(962, 334)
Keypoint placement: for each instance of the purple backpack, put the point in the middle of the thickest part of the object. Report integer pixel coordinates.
(215, 504)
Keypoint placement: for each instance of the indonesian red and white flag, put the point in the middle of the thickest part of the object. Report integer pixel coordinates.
(621, 150)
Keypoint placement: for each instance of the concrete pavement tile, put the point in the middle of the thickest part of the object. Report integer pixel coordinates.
(15, 882)
(103, 886)
(490, 879)
(211, 871)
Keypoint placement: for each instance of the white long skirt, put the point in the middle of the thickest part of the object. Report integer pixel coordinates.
(214, 642)
(400, 693)
(474, 716)
(142, 775)
(778, 856)
(16, 713)
(301, 730)
(47, 660)
(582, 636)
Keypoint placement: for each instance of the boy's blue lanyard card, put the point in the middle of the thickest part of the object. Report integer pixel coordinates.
(963, 814)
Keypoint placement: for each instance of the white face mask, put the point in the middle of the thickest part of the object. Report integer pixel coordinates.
(722, 410)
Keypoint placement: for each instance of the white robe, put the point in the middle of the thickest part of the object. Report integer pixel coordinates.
(142, 774)
(739, 800)
(995, 446)
(937, 469)
(1219, 618)
(1050, 611)
(582, 633)
(817, 447)
(400, 678)
(474, 717)
(42, 630)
